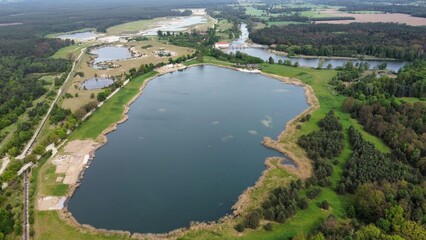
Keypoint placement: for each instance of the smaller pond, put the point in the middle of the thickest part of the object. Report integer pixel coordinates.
(263, 53)
(110, 53)
(97, 83)
(80, 36)
(176, 25)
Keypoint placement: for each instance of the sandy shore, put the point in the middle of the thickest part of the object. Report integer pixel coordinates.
(303, 169)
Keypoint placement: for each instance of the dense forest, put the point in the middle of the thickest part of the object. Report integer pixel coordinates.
(389, 188)
(384, 40)
(323, 145)
(401, 125)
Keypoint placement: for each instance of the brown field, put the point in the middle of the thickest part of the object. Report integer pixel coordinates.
(148, 57)
(380, 17)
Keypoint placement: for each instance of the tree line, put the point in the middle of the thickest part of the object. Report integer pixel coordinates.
(384, 40)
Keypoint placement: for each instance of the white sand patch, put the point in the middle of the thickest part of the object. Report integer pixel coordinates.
(215, 122)
(161, 110)
(51, 203)
(226, 138)
(253, 132)
(267, 122)
(281, 90)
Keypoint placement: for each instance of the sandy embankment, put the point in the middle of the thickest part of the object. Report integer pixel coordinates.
(303, 169)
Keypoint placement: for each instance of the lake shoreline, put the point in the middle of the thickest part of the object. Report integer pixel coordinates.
(303, 169)
(366, 58)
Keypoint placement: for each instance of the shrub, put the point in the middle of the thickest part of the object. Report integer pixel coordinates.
(268, 227)
(252, 220)
(240, 227)
(325, 205)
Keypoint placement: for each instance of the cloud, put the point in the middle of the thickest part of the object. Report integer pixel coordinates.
(162, 110)
(215, 122)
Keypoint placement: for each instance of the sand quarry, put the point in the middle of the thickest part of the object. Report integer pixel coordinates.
(70, 164)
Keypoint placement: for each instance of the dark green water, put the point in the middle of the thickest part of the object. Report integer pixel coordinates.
(191, 146)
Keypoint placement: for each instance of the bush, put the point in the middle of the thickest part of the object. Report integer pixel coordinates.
(240, 227)
(268, 227)
(303, 203)
(252, 220)
(325, 205)
(314, 193)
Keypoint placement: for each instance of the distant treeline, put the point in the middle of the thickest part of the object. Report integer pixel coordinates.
(384, 40)
(299, 18)
(415, 11)
(319, 19)
(413, 8)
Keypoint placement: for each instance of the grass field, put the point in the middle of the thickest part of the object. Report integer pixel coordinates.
(283, 23)
(314, 14)
(49, 226)
(73, 50)
(411, 100)
(254, 11)
(132, 27)
(111, 111)
(54, 35)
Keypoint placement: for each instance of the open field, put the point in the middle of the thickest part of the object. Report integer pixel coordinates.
(49, 226)
(133, 27)
(254, 11)
(70, 52)
(283, 23)
(54, 35)
(374, 17)
(411, 100)
(111, 111)
(141, 25)
(315, 14)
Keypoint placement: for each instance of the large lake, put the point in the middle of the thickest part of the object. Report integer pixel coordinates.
(263, 53)
(191, 146)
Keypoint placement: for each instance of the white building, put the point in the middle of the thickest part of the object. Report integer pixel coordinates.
(221, 45)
